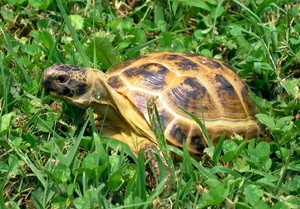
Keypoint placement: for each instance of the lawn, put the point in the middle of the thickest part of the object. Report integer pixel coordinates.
(51, 158)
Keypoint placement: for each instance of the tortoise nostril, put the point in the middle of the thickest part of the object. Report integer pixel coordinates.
(62, 79)
(66, 91)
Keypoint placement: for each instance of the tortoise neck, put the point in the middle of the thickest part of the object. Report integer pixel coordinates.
(115, 109)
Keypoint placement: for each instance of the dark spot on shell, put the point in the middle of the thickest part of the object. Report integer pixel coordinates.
(199, 142)
(131, 72)
(194, 86)
(245, 90)
(213, 63)
(152, 75)
(186, 64)
(178, 134)
(188, 94)
(252, 109)
(155, 80)
(115, 82)
(229, 98)
(165, 118)
(225, 84)
(140, 100)
(175, 57)
(183, 63)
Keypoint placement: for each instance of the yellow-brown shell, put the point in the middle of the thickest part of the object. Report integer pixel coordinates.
(191, 82)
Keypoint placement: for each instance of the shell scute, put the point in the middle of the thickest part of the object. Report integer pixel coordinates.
(116, 82)
(165, 117)
(140, 99)
(182, 63)
(212, 64)
(228, 97)
(224, 84)
(187, 93)
(178, 132)
(153, 76)
(197, 142)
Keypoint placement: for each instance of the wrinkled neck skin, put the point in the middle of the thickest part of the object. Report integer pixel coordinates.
(98, 97)
(96, 92)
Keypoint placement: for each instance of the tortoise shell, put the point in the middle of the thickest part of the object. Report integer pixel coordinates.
(192, 82)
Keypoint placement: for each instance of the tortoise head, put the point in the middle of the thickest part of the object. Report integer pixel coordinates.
(73, 84)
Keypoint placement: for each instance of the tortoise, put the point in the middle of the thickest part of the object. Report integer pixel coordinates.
(176, 82)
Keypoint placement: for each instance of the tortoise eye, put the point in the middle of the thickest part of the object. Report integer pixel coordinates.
(62, 79)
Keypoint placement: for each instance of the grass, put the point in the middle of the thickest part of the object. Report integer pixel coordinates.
(48, 161)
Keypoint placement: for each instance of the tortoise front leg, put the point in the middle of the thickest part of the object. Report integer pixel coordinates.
(159, 167)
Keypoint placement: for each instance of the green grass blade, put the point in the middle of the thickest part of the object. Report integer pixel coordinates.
(200, 168)
(2, 186)
(218, 150)
(115, 144)
(155, 194)
(186, 189)
(71, 154)
(217, 12)
(187, 167)
(261, 7)
(195, 3)
(251, 14)
(5, 87)
(221, 169)
(45, 125)
(141, 46)
(92, 119)
(53, 49)
(158, 13)
(141, 183)
(261, 29)
(99, 149)
(50, 46)
(12, 52)
(74, 35)
(2, 202)
(202, 126)
(28, 162)
(103, 51)
(236, 32)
